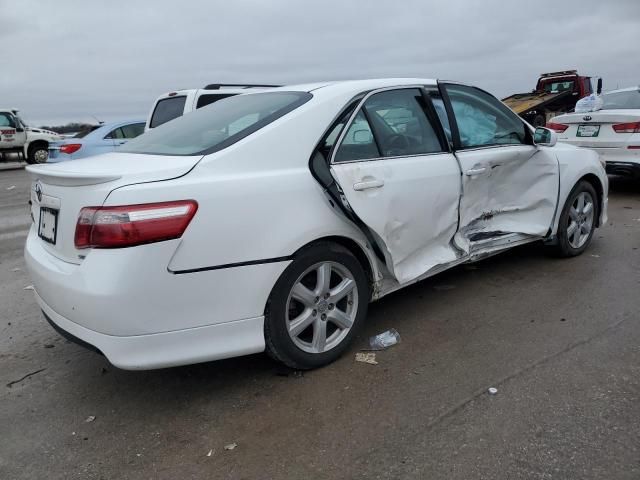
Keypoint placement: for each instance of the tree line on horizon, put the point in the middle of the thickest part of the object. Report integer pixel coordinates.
(68, 128)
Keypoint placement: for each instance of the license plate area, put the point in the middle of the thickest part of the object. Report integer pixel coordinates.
(588, 130)
(48, 225)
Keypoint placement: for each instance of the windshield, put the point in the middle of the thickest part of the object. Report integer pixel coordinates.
(621, 100)
(217, 126)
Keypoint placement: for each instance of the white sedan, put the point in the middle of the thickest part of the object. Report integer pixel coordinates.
(269, 221)
(613, 131)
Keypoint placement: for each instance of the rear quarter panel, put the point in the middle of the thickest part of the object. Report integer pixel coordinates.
(257, 199)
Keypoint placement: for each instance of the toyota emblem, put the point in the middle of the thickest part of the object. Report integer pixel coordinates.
(586, 118)
(39, 191)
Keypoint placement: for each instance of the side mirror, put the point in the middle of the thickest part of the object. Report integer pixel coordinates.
(545, 137)
(599, 88)
(19, 129)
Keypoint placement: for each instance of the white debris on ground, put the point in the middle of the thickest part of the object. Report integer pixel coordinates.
(492, 390)
(11, 187)
(28, 287)
(90, 418)
(366, 357)
(230, 446)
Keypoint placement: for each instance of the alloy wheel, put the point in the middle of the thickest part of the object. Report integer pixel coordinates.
(322, 307)
(581, 216)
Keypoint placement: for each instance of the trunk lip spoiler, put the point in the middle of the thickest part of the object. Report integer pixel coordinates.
(69, 178)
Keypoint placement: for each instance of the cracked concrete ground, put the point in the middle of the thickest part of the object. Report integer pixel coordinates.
(559, 339)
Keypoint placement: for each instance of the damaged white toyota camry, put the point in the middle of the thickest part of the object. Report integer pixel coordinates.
(269, 221)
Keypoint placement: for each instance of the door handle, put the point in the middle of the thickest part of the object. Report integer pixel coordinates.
(359, 186)
(476, 171)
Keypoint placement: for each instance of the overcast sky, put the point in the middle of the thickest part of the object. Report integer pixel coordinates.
(66, 60)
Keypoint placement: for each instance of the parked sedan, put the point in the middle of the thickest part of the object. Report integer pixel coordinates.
(613, 131)
(269, 221)
(95, 140)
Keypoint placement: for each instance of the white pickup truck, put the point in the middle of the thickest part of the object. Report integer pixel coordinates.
(16, 138)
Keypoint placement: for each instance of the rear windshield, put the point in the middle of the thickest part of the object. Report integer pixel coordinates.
(217, 126)
(167, 109)
(208, 99)
(618, 100)
(559, 87)
(84, 133)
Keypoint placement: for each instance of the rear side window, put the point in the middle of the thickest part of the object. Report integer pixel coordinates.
(358, 143)
(219, 125)
(115, 134)
(208, 99)
(167, 109)
(132, 130)
(86, 132)
(391, 123)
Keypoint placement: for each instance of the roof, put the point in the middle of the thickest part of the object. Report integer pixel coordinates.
(344, 86)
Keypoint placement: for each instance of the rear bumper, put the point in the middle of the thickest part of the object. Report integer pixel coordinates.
(169, 349)
(622, 155)
(629, 169)
(130, 291)
(127, 304)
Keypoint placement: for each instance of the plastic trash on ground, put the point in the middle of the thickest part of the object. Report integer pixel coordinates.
(589, 104)
(384, 340)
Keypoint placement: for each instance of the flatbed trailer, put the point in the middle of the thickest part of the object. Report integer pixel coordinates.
(523, 102)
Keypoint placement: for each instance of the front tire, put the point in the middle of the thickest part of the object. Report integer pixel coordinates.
(316, 307)
(577, 220)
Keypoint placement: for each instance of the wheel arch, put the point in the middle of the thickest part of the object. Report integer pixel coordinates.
(354, 247)
(37, 142)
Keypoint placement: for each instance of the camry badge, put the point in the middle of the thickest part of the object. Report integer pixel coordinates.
(586, 118)
(39, 191)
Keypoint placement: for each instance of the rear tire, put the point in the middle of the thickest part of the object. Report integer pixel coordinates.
(316, 307)
(577, 220)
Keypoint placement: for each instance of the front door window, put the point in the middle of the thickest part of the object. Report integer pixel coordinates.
(484, 121)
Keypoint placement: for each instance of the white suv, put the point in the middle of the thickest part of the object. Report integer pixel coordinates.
(175, 104)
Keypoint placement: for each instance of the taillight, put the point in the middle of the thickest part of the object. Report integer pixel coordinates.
(631, 127)
(557, 127)
(129, 225)
(70, 148)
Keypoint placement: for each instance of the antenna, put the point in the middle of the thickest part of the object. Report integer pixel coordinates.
(100, 122)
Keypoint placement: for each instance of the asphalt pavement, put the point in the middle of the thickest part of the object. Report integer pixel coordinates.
(558, 338)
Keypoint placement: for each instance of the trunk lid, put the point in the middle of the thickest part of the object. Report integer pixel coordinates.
(59, 191)
(605, 119)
